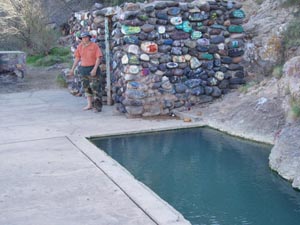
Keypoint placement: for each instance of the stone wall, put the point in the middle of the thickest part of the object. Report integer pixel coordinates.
(169, 55)
(13, 62)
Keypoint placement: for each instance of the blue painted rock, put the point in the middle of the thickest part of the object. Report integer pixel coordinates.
(177, 43)
(202, 48)
(235, 44)
(174, 11)
(217, 62)
(153, 35)
(149, 47)
(131, 40)
(172, 65)
(235, 29)
(130, 29)
(196, 35)
(187, 27)
(206, 56)
(240, 14)
(196, 17)
(176, 20)
(192, 83)
(176, 51)
(203, 42)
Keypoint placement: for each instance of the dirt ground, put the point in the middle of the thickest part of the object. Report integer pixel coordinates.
(36, 78)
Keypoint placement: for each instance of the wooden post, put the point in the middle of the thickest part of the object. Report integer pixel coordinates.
(107, 59)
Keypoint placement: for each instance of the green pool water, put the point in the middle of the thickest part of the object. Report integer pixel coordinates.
(210, 177)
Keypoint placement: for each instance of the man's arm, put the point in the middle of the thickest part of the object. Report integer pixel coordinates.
(94, 70)
(76, 61)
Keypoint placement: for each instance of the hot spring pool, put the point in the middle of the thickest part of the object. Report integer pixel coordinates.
(208, 176)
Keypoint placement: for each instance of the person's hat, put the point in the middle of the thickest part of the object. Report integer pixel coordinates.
(85, 34)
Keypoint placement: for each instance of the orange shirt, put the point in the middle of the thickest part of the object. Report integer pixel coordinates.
(88, 54)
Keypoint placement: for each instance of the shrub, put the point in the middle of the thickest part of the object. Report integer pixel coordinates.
(295, 107)
(60, 80)
(291, 37)
(277, 72)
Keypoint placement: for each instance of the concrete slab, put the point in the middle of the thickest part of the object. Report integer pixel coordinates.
(51, 174)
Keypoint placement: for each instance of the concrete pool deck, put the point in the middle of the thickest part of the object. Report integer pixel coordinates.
(51, 174)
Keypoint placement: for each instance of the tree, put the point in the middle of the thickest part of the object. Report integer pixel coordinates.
(24, 20)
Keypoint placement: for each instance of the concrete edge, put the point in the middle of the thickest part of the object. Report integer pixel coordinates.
(149, 202)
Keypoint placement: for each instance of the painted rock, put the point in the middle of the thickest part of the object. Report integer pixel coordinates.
(147, 28)
(201, 48)
(176, 20)
(131, 40)
(218, 26)
(145, 72)
(172, 65)
(212, 81)
(179, 59)
(235, 29)
(237, 14)
(196, 17)
(203, 41)
(177, 43)
(145, 57)
(161, 29)
(132, 69)
(217, 62)
(196, 35)
(134, 49)
(168, 42)
(130, 29)
(187, 27)
(195, 63)
(219, 75)
(143, 17)
(179, 35)
(149, 47)
(124, 59)
(129, 77)
(206, 56)
(133, 60)
(187, 57)
(176, 51)
(174, 11)
(192, 83)
(235, 44)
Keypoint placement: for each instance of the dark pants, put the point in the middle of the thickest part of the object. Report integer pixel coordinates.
(92, 85)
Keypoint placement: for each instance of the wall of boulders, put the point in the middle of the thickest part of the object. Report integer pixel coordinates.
(168, 55)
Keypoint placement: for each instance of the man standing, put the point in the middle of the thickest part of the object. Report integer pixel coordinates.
(90, 56)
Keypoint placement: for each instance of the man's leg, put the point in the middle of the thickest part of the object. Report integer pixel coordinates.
(97, 94)
(88, 92)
